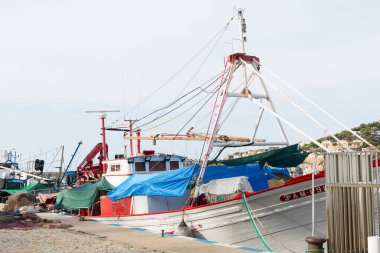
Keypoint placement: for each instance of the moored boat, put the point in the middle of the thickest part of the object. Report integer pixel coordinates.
(250, 201)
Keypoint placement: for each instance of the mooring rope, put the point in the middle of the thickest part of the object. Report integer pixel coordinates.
(314, 250)
(253, 223)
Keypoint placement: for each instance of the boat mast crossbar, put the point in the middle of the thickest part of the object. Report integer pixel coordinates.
(191, 137)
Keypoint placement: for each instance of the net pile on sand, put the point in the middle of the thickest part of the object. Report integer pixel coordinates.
(18, 200)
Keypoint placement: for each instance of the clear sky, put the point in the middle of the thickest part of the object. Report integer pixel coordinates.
(60, 58)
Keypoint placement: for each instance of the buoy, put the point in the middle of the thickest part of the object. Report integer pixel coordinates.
(184, 230)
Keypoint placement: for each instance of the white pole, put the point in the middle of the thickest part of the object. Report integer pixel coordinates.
(312, 193)
(243, 38)
(373, 244)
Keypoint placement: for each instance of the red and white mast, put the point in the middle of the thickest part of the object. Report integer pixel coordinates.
(232, 63)
(102, 116)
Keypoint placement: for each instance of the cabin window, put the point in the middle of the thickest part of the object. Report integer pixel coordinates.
(157, 166)
(174, 165)
(139, 166)
(115, 167)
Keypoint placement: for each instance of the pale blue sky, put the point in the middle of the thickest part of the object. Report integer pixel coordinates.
(60, 58)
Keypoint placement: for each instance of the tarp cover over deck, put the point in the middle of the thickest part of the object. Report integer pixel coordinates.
(82, 196)
(290, 156)
(258, 177)
(168, 184)
(29, 188)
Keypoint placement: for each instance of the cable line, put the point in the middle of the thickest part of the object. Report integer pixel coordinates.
(213, 79)
(175, 108)
(182, 68)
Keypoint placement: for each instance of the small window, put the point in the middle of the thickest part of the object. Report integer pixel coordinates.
(139, 166)
(174, 165)
(115, 167)
(157, 166)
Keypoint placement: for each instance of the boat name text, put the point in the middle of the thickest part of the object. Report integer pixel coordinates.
(302, 194)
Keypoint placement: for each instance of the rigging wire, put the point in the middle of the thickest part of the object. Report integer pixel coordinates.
(181, 69)
(179, 114)
(191, 118)
(175, 108)
(32, 158)
(315, 105)
(184, 127)
(207, 56)
(213, 79)
(300, 108)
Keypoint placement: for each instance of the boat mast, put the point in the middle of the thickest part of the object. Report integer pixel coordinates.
(102, 116)
(232, 63)
(243, 39)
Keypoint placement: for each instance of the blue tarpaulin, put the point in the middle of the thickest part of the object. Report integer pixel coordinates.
(169, 184)
(257, 177)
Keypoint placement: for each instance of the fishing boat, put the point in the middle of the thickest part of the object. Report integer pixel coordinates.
(249, 201)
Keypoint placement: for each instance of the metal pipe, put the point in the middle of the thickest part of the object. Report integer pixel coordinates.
(131, 134)
(104, 148)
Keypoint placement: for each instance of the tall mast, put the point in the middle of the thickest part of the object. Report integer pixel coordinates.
(232, 63)
(243, 39)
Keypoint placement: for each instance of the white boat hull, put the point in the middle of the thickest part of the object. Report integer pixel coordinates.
(285, 220)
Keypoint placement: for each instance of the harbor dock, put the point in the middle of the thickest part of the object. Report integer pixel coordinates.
(145, 240)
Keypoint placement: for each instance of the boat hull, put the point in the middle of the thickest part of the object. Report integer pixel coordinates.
(285, 214)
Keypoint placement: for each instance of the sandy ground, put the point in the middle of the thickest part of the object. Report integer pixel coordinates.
(42, 240)
(59, 241)
(66, 234)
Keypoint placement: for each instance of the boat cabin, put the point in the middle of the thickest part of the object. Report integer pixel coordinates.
(148, 162)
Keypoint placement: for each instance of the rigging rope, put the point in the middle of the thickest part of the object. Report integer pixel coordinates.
(214, 78)
(295, 104)
(181, 69)
(194, 114)
(312, 193)
(314, 104)
(208, 55)
(179, 114)
(253, 223)
(175, 108)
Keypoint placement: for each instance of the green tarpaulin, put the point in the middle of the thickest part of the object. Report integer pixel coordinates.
(33, 188)
(82, 196)
(289, 156)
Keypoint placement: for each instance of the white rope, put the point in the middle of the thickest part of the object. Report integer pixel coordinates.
(314, 169)
(294, 103)
(316, 106)
(288, 123)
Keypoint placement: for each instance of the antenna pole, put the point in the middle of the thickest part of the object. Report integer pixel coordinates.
(104, 148)
(131, 122)
(102, 116)
(243, 39)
